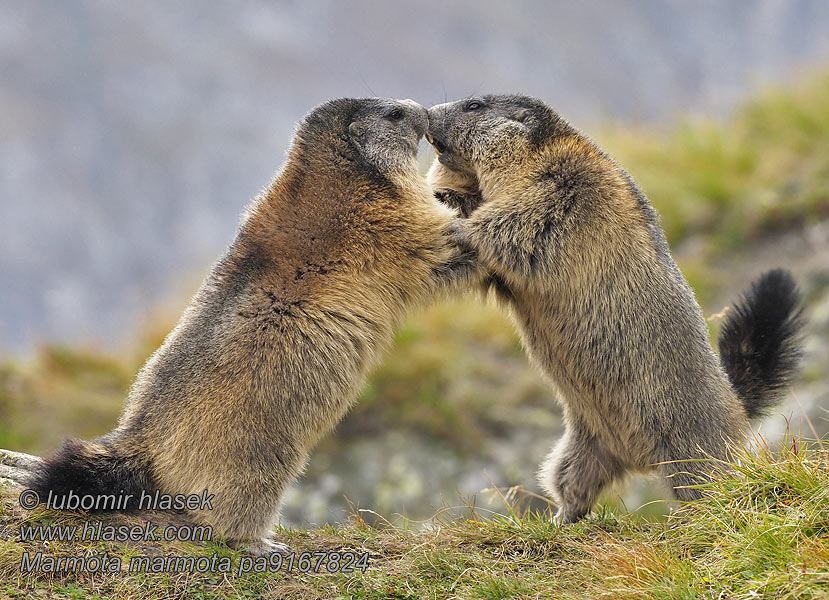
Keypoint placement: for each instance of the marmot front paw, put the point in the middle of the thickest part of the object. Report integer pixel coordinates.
(459, 230)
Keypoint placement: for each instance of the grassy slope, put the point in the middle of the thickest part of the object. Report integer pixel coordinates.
(761, 532)
(765, 169)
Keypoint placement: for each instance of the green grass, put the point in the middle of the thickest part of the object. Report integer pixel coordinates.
(760, 531)
(764, 170)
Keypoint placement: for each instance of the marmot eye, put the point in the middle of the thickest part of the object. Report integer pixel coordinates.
(473, 105)
(395, 114)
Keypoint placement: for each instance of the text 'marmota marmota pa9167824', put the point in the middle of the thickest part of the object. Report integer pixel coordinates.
(576, 250)
(275, 345)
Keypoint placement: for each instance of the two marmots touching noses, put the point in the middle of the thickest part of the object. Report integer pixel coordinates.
(277, 342)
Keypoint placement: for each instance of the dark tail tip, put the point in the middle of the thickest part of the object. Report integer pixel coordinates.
(90, 468)
(760, 341)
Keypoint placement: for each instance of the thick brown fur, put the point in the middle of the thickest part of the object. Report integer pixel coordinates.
(275, 345)
(576, 250)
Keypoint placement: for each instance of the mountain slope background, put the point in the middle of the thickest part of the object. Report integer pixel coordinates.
(132, 135)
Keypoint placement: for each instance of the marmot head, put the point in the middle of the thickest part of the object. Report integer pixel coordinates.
(378, 136)
(470, 133)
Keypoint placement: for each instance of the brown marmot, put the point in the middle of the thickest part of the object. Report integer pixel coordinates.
(276, 344)
(576, 250)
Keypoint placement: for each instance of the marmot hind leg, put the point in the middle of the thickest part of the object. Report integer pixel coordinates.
(577, 469)
(685, 475)
(247, 521)
(245, 513)
(686, 464)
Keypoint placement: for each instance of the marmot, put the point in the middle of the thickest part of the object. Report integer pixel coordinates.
(276, 344)
(576, 249)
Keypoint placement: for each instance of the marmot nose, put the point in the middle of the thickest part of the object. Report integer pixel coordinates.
(439, 111)
(437, 118)
(420, 116)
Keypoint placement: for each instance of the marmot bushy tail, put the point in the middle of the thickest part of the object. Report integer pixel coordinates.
(276, 344)
(759, 341)
(92, 468)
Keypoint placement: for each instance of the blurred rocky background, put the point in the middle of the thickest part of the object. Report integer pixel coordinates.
(132, 135)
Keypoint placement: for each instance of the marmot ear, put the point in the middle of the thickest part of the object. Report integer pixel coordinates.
(521, 114)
